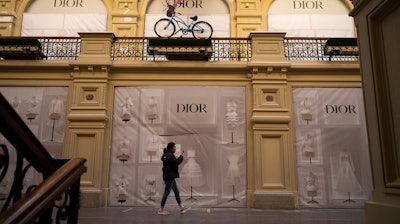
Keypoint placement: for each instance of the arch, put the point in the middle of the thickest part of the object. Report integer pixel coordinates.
(267, 4)
(312, 19)
(25, 4)
(143, 8)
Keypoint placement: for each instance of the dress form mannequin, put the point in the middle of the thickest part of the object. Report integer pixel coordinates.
(32, 111)
(346, 177)
(192, 172)
(306, 112)
(311, 186)
(308, 147)
(15, 102)
(152, 147)
(126, 108)
(122, 185)
(152, 109)
(124, 152)
(233, 175)
(56, 108)
(150, 187)
(231, 117)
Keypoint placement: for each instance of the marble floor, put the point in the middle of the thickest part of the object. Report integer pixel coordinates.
(148, 215)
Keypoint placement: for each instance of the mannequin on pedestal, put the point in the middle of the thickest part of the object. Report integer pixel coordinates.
(152, 109)
(122, 185)
(32, 111)
(308, 147)
(233, 175)
(150, 187)
(231, 117)
(306, 112)
(311, 186)
(124, 152)
(346, 176)
(126, 108)
(192, 172)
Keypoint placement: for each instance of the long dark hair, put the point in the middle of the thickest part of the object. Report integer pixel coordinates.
(170, 145)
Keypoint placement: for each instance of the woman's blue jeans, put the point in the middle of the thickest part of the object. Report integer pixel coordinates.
(171, 184)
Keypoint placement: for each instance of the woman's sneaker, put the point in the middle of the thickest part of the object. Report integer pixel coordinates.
(162, 212)
(184, 210)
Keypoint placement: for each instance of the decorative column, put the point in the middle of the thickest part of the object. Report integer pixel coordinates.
(7, 17)
(273, 156)
(124, 18)
(87, 118)
(248, 17)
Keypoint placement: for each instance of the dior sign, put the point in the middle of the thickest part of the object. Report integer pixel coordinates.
(307, 5)
(68, 3)
(191, 4)
(191, 108)
(340, 109)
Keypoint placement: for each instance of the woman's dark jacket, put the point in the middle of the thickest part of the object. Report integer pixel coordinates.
(170, 165)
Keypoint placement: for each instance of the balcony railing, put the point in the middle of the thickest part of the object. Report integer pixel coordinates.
(61, 48)
(311, 49)
(224, 49)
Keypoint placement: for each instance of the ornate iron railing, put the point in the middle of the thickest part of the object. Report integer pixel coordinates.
(311, 49)
(224, 49)
(60, 48)
(231, 49)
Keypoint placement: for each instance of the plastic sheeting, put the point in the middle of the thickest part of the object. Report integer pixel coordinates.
(208, 126)
(62, 24)
(312, 25)
(332, 148)
(44, 111)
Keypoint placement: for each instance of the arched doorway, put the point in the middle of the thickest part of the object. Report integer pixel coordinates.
(212, 11)
(64, 18)
(321, 18)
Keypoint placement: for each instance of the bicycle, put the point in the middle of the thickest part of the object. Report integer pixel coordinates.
(166, 27)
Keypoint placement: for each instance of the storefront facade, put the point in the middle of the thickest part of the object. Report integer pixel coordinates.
(262, 132)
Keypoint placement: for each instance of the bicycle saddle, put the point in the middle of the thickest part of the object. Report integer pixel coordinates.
(194, 18)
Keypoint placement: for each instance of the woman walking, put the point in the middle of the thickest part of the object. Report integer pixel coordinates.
(170, 172)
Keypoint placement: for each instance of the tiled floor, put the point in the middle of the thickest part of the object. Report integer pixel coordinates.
(148, 215)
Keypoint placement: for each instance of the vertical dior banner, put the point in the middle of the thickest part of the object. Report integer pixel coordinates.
(331, 144)
(206, 123)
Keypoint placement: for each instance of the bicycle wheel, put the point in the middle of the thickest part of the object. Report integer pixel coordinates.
(202, 30)
(164, 28)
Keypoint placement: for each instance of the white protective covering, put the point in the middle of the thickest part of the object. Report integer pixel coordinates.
(332, 147)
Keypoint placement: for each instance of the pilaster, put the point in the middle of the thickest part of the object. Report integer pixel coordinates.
(274, 170)
(248, 17)
(124, 18)
(7, 17)
(87, 117)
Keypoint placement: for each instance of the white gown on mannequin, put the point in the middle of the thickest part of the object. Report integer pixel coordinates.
(233, 175)
(346, 177)
(192, 170)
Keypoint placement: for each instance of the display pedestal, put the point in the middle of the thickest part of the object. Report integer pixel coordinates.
(312, 194)
(349, 200)
(233, 194)
(310, 155)
(191, 195)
